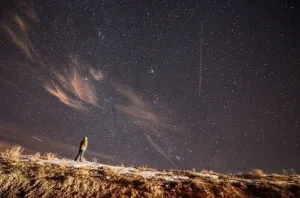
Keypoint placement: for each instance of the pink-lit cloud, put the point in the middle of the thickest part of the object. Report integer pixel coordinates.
(97, 74)
(73, 88)
(57, 91)
(16, 29)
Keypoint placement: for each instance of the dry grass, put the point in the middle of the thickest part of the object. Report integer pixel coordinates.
(207, 171)
(31, 179)
(290, 171)
(82, 172)
(144, 166)
(111, 172)
(12, 154)
(49, 156)
(36, 156)
(63, 165)
(258, 172)
(52, 181)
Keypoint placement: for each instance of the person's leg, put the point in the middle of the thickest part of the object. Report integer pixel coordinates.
(81, 155)
(78, 155)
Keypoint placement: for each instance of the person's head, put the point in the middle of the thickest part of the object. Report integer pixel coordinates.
(85, 138)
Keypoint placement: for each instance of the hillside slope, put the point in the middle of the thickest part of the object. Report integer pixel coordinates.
(33, 177)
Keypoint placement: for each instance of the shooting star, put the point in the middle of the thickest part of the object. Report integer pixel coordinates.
(37, 138)
(200, 67)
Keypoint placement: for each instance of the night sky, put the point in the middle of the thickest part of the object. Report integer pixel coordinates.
(168, 84)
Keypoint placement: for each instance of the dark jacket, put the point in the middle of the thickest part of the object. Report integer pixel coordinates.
(83, 144)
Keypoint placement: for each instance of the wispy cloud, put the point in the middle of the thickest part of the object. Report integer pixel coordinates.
(83, 89)
(141, 114)
(19, 40)
(97, 74)
(73, 88)
(16, 29)
(159, 149)
(138, 109)
(29, 11)
(57, 91)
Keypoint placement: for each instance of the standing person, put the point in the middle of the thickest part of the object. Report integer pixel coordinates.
(82, 148)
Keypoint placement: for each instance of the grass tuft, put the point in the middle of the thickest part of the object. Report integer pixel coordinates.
(36, 156)
(49, 156)
(12, 154)
(258, 172)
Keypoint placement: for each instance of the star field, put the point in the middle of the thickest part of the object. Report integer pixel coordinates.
(126, 74)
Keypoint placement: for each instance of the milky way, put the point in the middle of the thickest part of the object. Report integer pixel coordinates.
(205, 85)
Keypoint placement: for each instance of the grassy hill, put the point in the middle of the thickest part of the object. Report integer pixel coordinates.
(47, 176)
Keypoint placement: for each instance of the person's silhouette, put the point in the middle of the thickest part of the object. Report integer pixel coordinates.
(82, 148)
